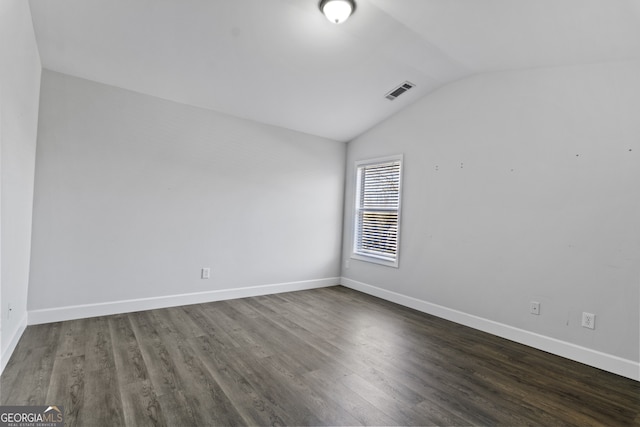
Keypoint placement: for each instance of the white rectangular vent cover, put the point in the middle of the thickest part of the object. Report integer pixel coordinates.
(397, 91)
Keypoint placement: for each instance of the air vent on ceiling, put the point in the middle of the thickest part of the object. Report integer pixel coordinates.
(396, 92)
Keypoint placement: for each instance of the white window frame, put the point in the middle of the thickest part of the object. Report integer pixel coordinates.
(371, 256)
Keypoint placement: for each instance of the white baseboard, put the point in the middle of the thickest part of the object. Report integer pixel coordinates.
(17, 334)
(607, 362)
(59, 314)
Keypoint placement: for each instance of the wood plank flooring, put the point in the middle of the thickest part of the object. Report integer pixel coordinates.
(329, 356)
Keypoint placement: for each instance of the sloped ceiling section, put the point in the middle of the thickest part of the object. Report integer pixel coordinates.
(281, 62)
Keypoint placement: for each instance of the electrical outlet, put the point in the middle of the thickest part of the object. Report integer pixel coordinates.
(588, 320)
(347, 264)
(534, 307)
(206, 273)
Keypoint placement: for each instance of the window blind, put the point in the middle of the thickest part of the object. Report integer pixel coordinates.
(377, 210)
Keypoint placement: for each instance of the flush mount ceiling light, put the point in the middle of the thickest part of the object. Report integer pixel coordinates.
(337, 11)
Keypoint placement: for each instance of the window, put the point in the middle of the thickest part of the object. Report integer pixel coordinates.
(377, 213)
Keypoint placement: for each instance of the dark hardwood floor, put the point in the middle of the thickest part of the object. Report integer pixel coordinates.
(322, 357)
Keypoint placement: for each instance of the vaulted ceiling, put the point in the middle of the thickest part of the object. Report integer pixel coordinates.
(281, 62)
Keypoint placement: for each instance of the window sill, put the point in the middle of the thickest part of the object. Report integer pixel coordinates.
(375, 260)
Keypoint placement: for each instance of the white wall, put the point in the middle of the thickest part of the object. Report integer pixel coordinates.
(19, 92)
(519, 186)
(134, 195)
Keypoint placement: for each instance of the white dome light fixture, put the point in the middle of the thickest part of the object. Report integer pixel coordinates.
(337, 11)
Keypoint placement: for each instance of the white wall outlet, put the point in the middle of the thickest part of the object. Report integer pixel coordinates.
(534, 307)
(588, 320)
(347, 264)
(206, 273)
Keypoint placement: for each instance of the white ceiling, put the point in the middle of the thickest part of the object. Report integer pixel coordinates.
(281, 62)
